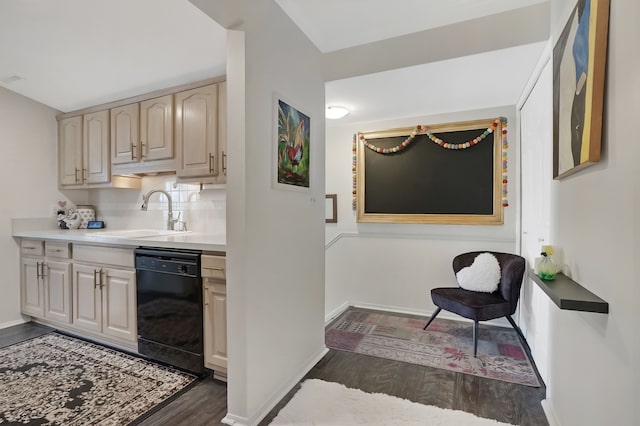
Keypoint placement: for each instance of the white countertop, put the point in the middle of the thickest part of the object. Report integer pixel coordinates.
(190, 240)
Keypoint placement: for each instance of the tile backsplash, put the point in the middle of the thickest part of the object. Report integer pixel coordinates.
(204, 210)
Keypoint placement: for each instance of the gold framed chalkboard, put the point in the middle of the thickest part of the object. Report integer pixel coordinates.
(450, 181)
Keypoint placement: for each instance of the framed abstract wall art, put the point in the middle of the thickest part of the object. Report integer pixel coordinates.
(579, 59)
(292, 154)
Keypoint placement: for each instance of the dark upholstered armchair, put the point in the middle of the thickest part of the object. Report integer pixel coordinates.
(480, 306)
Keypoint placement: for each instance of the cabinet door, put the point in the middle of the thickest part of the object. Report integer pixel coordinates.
(87, 300)
(70, 151)
(95, 147)
(156, 129)
(125, 134)
(57, 291)
(31, 291)
(119, 303)
(215, 325)
(196, 131)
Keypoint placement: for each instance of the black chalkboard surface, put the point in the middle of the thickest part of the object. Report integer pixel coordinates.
(426, 183)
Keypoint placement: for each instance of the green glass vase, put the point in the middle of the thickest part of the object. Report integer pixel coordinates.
(547, 269)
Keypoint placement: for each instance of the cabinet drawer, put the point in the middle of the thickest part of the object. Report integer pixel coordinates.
(213, 267)
(32, 247)
(59, 250)
(104, 255)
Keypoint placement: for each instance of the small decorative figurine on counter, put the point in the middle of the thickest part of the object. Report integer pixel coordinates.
(61, 215)
(72, 220)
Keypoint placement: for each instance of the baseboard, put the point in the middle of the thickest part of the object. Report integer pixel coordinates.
(336, 313)
(234, 420)
(392, 309)
(500, 322)
(231, 419)
(550, 412)
(12, 323)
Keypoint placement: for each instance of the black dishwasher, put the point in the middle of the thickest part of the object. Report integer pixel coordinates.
(169, 306)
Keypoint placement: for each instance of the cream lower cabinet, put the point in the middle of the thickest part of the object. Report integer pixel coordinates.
(46, 280)
(215, 313)
(104, 295)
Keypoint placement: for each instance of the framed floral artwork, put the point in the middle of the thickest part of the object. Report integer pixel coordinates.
(292, 153)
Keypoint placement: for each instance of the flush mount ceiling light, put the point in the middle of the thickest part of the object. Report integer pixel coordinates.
(335, 112)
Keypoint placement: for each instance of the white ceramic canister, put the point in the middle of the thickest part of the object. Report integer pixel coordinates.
(86, 214)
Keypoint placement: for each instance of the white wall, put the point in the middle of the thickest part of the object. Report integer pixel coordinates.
(592, 358)
(394, 266)
(275, 237)
(28, 170)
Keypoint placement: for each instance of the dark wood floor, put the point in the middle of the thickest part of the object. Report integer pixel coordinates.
(205, 403)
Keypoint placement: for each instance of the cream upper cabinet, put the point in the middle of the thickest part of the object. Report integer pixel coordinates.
(156, 129)
(95, 145)
(196, 132)
(83, 152)
(70, 151)
(125, 134)
(142, 137)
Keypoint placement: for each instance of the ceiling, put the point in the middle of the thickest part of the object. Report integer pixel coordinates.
(71, 54)
(337, 24)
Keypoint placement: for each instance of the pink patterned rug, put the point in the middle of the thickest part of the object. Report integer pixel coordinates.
(445, 344)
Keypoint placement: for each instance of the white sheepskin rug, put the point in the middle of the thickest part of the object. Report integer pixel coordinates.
(483, 275)
(325, 403)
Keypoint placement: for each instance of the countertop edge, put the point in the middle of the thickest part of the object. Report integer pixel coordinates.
(193, 240)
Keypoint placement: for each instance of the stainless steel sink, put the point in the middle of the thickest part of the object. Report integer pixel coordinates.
(137, 233)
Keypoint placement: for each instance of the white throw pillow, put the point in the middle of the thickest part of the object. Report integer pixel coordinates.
(483, 275)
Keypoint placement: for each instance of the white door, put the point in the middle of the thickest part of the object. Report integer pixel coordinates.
(536, 123)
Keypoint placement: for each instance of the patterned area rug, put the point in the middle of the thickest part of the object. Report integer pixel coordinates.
(58, 380)
(445, 344)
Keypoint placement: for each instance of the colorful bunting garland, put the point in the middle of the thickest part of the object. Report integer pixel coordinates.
(456, 146)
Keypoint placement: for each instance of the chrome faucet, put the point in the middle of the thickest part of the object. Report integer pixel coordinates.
(145, 202)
